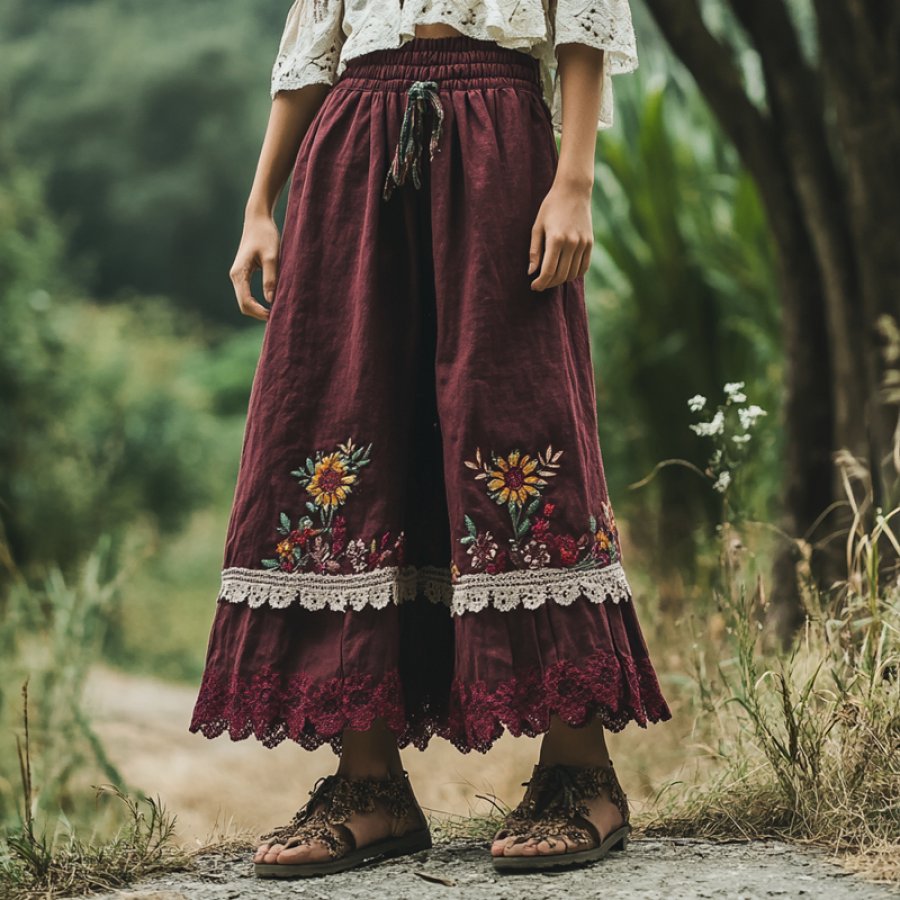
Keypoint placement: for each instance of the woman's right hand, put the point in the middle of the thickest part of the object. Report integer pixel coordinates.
(259, 249)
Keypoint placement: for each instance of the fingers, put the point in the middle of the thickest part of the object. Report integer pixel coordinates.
(240, 278)
(549, 262)
(565, 258)
(537, 243)
(270, 275)
(585, 259)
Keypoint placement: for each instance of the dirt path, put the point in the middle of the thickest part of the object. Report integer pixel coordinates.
(226, 787)
(650, 869)
(238, 785)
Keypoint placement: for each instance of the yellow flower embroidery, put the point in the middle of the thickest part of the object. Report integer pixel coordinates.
(330, 484)
(285, 549)
(514, 480)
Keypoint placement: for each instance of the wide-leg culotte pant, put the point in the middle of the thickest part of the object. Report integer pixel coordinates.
(421, 529)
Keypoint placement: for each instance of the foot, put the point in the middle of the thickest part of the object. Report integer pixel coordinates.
(366, 827)
(561, 836)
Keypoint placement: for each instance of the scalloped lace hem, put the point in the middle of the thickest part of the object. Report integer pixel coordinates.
(274, 709)
(528, 588)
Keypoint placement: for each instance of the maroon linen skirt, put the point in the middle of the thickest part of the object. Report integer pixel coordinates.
(421, 529)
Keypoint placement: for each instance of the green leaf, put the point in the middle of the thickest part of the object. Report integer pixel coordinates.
(470, 525)
(311, 506)
(468, 539)
(592, 521)
(522, 527)
(532, 507)
(310, 466)
(270, 563)
(285, 522)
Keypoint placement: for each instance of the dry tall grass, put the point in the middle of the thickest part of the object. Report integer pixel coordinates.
(804, 744)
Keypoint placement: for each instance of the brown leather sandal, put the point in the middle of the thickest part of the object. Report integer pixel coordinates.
(554, 807)
(323, 818)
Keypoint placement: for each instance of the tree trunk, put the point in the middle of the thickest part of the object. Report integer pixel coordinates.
(831, 189)
(860, 53)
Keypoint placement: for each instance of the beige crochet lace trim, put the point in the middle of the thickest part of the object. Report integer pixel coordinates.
(528, 588)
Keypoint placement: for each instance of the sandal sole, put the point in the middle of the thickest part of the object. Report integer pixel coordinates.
(615, 841)
(392, 847)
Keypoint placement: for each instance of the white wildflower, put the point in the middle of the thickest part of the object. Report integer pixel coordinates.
(734, 390)
(716, 458)
(741, 438)
(697, 402)
(750, 415)
(708, 429)
(722, 482)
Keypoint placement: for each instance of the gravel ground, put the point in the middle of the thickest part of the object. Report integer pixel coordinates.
(651, 869)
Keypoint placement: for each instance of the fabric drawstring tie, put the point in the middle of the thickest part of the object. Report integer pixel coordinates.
(409, 148)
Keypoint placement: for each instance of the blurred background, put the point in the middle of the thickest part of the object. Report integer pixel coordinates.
(747, 229)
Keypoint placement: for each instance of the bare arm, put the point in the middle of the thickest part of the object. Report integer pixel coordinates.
(291, 114)
(563, 233)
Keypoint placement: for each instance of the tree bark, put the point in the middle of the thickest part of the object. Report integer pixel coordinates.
(860, 58)
(827, 335)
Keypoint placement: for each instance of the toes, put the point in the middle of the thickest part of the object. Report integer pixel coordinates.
(310, 851)
(271, 854)
(533, 847)
(520, 848)
(551, 846)
(260, 853)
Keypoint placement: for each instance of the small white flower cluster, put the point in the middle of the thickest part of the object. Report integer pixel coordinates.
(734, 392)
(722, 482)
(750, 415)
(715, 426)
(722, 460)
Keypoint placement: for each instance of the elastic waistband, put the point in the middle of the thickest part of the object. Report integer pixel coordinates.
(455, 62)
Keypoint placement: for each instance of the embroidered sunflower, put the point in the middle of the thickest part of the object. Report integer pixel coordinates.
(513, 480)
(285, 549)
(330, 483)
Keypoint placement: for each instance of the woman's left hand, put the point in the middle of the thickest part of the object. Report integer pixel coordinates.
(562, 236)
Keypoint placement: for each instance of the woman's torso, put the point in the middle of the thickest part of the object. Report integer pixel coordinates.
(321, 36)
(436, 31)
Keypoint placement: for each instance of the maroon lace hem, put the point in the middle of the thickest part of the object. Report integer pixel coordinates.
(615, 690)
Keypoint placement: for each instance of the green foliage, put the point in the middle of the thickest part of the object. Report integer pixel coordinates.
(98, 427)
(801, 743)
(683, 299)
(226, 373)
(145, 121)
(50, 635)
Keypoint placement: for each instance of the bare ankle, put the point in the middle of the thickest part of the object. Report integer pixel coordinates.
(369, 767)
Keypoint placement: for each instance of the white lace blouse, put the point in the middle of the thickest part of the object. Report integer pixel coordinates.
(321, 35)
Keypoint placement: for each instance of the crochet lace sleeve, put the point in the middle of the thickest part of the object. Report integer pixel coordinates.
(310, 45)
(605, 25)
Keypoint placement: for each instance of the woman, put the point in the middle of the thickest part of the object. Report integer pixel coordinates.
(421, 541)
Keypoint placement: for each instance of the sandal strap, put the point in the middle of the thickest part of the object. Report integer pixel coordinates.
(337, 838)
(554, 804)
(333, 801)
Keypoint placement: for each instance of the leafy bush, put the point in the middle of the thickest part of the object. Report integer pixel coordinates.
(683, 297)
(98, 425)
